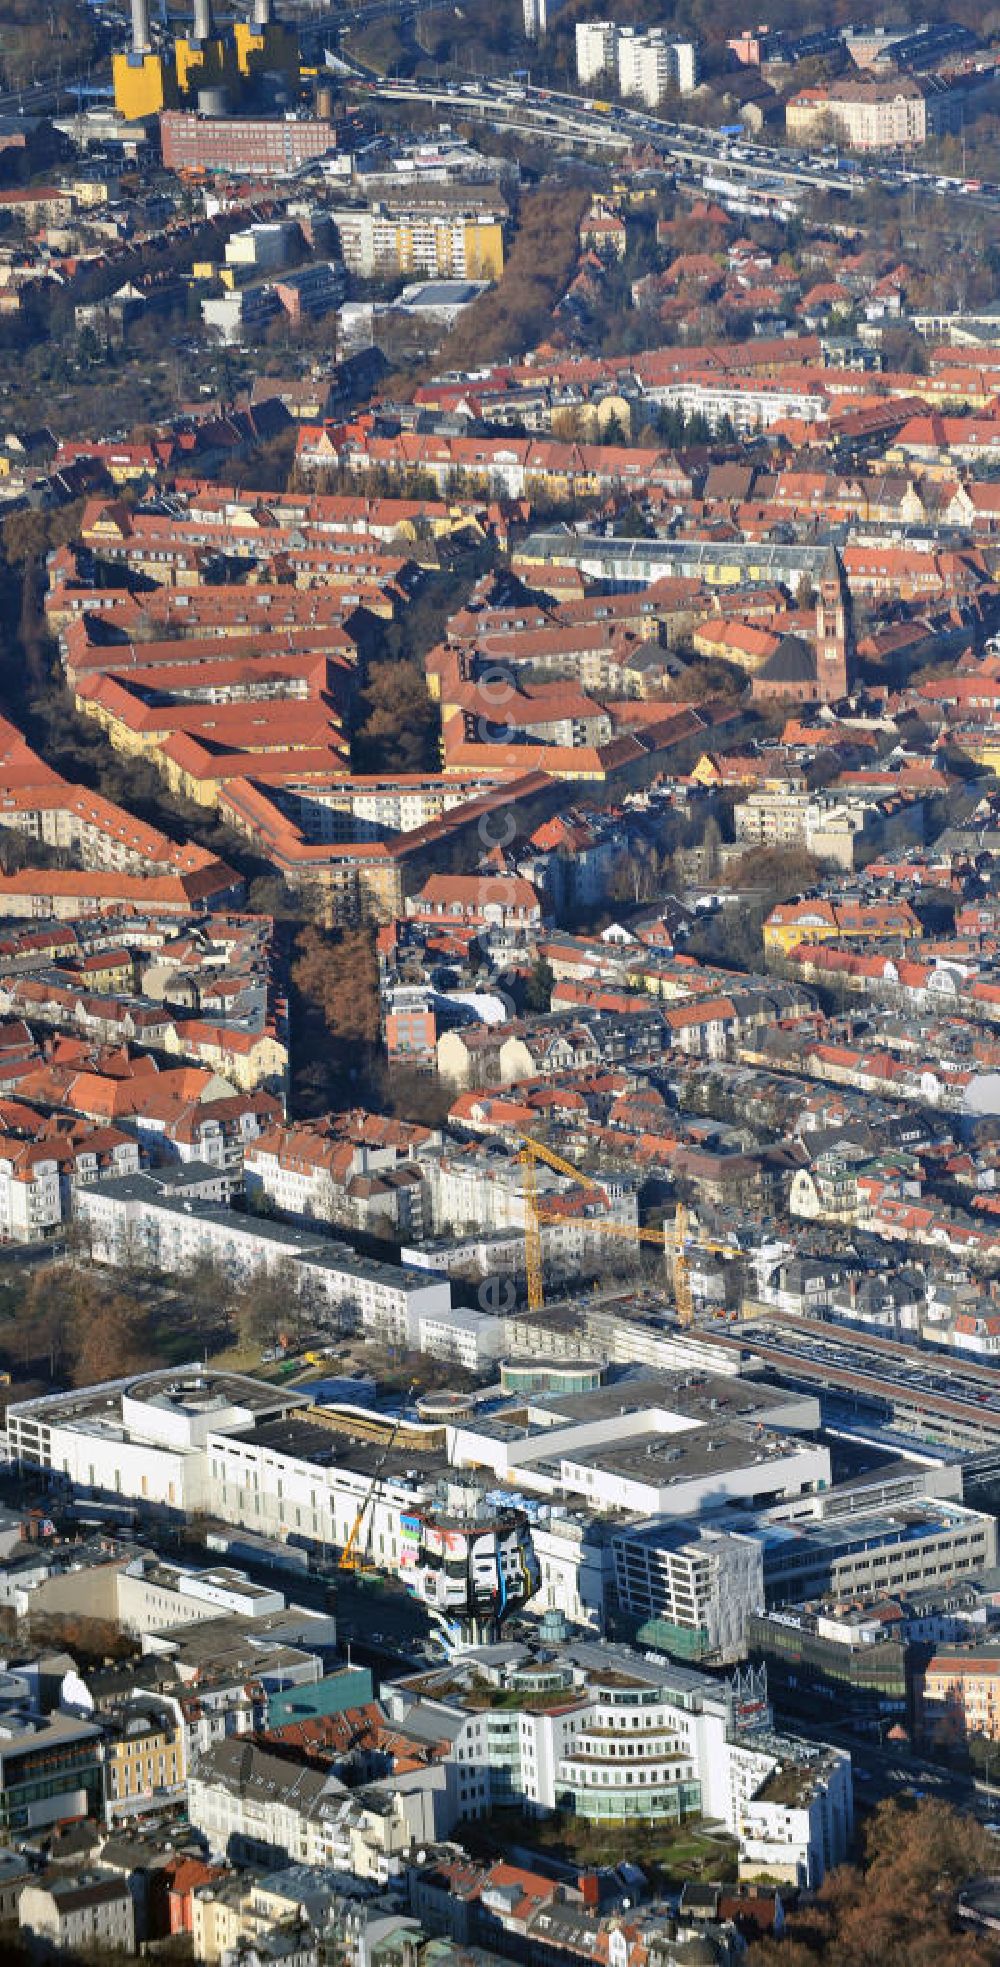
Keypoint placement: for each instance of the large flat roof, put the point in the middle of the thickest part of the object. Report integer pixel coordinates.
(864, 1529)
(335, 1448)
(697, 1395)
(650, 558)
(662, 1460)
(192, 1388)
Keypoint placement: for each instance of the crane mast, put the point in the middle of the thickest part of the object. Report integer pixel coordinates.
(350, 1556)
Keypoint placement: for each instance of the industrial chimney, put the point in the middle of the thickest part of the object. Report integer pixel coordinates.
(141, 42)
(204, 27)
(262, 14)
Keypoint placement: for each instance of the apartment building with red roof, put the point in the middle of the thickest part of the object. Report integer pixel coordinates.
(69, 894)
(38, 1176)
(819, 919)
(509, 467)
(477, 901)
(251, 725)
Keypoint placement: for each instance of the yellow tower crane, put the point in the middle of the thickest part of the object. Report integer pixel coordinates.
(531, 1153)
(350, 1556)
(683, 1242)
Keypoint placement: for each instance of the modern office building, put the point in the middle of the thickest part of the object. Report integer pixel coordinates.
(51, 1770)
(617, 1736)
(691, 1587)
(874, 1550)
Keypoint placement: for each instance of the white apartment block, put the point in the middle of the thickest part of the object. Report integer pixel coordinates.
(296, 1174)
(473, 1339)
(596, 48)
(257, 1809)
(308, 1174)
(569, 1248)
(174, 1219)
(799, 1823)
(30, 1192)
(479, 1191)
(749, 408)
(216, 1133)
(836, 828)
(242, 314)
(371, 809)
(476, 1204)
(92, 1911)
(772, 819)
(440, 244)
(394, 1306)
(70, 819)
(648, 66)
(39, 1181)
(687, 66)
(643, 66)
(897, 115)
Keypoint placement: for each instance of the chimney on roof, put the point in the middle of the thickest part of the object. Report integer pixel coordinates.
(204, 26)
(141, 41)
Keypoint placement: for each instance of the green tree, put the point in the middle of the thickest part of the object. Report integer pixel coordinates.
(538, 989)
(85, 1325)
(88, 348)
(711, 841)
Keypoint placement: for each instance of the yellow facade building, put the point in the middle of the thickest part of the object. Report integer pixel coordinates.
(269, 50)
(143, 84)
(144, 1755)
(146, 81)
(209, 64)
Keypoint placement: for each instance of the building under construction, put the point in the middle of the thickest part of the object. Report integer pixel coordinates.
(208, 70)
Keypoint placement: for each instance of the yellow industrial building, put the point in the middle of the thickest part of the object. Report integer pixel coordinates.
(206, 69)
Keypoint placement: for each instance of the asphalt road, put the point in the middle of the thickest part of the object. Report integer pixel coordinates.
(886, 1770)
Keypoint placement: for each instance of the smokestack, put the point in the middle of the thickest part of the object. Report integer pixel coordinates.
(141, 42)
(204, 27)
(262, 14)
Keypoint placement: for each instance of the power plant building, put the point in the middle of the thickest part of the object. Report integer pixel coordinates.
(207, 68)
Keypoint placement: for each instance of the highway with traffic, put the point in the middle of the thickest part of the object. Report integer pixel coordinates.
(575, 121)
